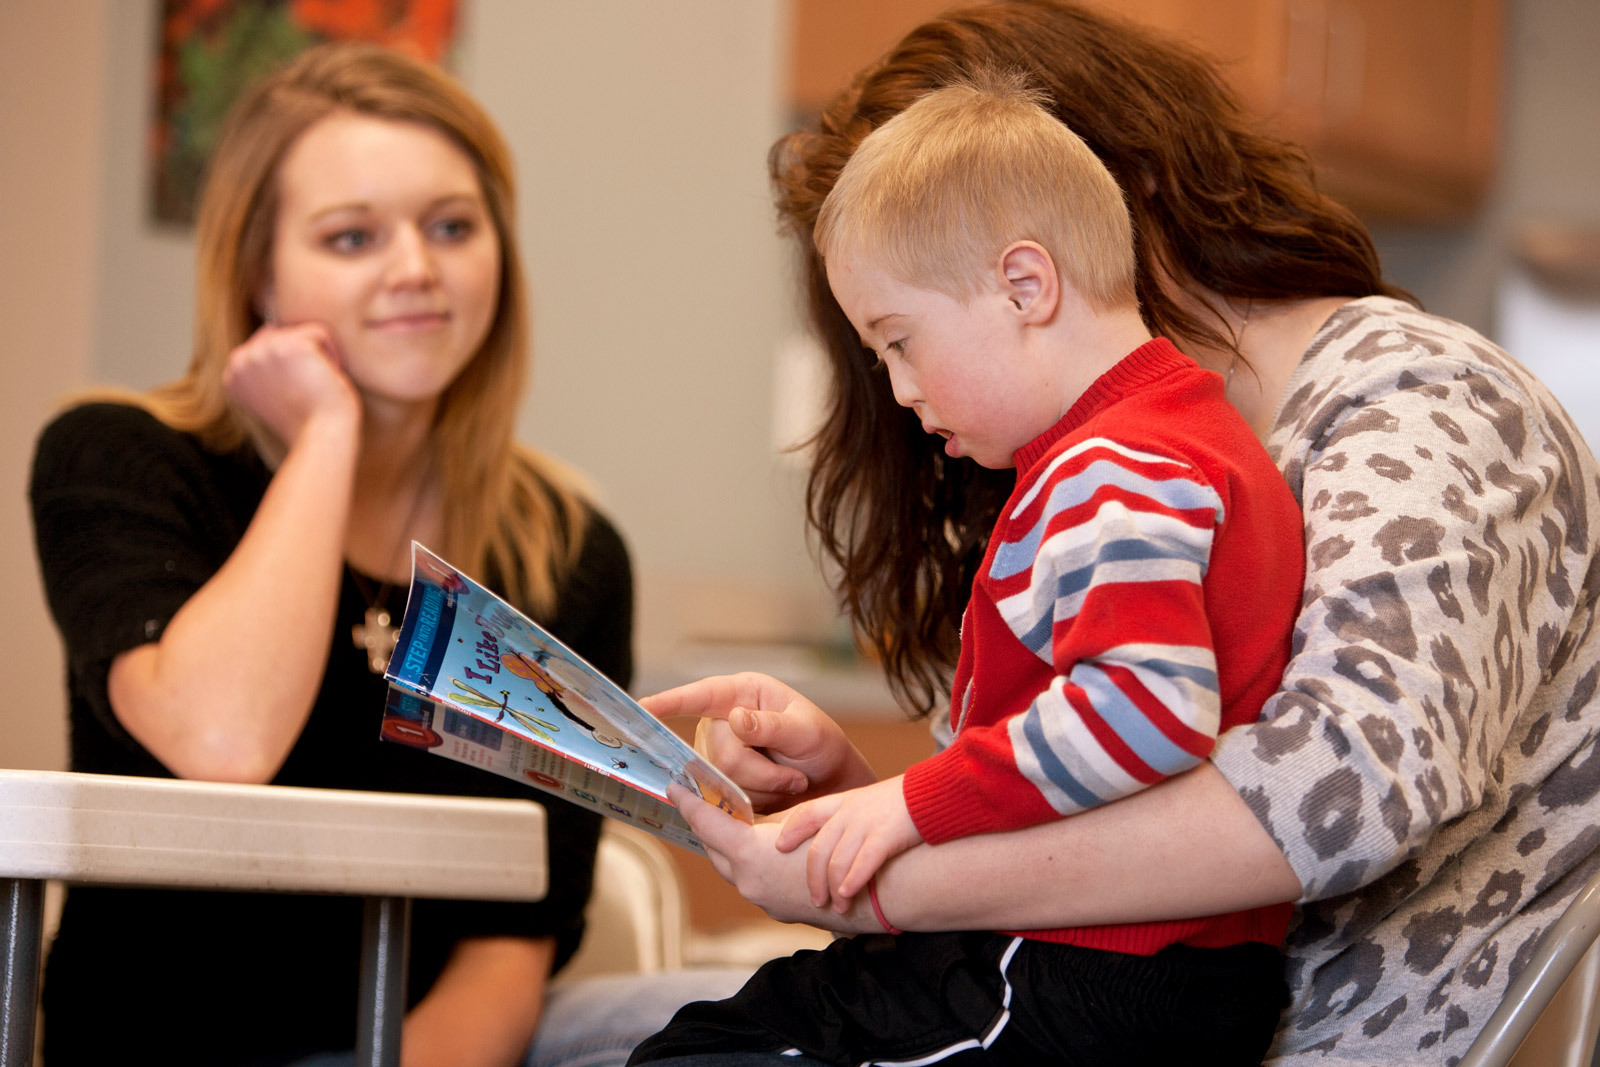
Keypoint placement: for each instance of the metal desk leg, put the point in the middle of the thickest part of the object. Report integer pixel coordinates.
(21, 931)
(385, 947)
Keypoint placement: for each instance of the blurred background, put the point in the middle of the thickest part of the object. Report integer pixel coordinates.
(670, 364)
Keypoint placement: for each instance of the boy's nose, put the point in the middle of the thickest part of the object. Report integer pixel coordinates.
(900, 383)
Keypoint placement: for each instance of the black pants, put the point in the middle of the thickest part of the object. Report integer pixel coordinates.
(961, 998)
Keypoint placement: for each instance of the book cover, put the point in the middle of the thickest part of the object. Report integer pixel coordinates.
(474, 680)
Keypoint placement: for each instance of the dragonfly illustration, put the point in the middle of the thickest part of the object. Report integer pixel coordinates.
(502, 708)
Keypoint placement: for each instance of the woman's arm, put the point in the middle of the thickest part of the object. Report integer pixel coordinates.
(226, 690)
(1187, 846)
(484, 1006)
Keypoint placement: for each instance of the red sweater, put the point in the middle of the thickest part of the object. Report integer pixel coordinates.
(1137, 598)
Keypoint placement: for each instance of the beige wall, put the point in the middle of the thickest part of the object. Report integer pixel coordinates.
(641, 130)
(52, 66)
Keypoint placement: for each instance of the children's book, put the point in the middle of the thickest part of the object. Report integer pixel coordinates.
(474, 680)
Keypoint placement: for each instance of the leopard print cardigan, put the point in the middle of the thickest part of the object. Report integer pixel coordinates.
(1429, 764)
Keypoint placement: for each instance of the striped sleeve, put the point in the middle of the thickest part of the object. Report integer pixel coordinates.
(1097, 571)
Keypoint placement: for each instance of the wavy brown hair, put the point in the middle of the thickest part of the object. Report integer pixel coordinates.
(508, 511)
(1215, 205)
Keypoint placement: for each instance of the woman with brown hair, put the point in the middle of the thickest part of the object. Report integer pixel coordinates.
(1423, 782)
(227, 559)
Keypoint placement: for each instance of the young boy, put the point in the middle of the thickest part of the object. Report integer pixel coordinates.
(1136, 598)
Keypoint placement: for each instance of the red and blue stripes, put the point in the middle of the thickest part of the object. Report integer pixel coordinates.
(1097, 571)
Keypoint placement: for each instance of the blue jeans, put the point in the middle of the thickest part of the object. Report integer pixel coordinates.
(595, 1022)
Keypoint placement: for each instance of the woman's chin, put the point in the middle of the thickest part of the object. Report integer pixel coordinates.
(400, 386)
(389, 402)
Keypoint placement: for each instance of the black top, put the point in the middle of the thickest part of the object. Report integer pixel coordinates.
(131, 518)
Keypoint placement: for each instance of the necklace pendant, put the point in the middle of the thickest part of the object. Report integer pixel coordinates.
(377, 636)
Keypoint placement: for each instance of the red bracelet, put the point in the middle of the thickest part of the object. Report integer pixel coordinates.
(872, 895)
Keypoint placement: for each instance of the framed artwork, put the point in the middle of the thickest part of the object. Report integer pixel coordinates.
(211, 49)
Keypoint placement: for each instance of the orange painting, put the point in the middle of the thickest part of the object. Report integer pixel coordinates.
(212, 49)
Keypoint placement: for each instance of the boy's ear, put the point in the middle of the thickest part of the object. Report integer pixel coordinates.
(1029, 281)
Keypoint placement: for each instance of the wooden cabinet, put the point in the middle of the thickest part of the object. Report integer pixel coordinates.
(1397, 100)
(1419, 130)
(829, 40)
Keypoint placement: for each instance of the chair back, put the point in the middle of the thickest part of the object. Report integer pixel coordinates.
(1548, 1016)
(1564, 1036)
(638, 916)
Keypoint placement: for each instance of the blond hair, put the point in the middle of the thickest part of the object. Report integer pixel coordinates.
(507, 510)
(937, 192)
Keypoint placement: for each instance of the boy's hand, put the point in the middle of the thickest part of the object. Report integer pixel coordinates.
(852, 835)
(774, 881)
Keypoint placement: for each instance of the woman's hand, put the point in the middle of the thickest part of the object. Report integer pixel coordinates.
(773, 881)
(777, 745)
(287, 376)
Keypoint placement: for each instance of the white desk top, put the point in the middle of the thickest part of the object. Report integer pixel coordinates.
(106, 829)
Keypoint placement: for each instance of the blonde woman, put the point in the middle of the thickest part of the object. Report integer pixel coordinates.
(225, 556)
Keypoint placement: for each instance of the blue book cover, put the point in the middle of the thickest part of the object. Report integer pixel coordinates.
(475, 680)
